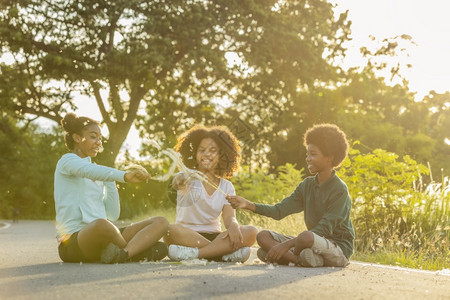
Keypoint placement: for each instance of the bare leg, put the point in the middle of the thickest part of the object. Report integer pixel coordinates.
(180, 235)
(142, 235)
(303, 240)
(96, 235)
(266, 242)
(221, 246)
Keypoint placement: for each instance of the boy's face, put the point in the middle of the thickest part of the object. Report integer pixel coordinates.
(316, 161)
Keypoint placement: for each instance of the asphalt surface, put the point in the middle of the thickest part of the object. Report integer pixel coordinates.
(31, 269)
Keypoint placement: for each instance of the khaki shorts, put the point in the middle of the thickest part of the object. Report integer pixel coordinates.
(332, 254)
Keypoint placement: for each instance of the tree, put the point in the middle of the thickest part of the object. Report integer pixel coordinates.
(377, 111)
(163, 56)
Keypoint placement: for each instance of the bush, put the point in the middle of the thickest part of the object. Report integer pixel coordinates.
(392, 209)
(397, 218)
(27, 165)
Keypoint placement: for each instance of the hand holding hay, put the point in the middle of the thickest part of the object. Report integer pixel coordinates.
(136, 174)
(177, 162)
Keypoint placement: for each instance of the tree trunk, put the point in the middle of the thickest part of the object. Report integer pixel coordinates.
(117, 135)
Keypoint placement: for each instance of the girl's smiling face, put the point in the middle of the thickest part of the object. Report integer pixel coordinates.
(89, 143)
(207, 155)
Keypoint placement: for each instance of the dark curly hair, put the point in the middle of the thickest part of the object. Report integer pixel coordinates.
(229, 149)
(74, 124)
(330, 140)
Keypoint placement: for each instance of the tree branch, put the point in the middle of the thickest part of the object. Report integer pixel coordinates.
(101, 105)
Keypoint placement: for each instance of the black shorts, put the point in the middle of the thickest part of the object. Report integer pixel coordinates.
(69, 250)
(210, 236)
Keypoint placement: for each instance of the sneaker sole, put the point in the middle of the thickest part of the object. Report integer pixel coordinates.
(109, 253)
(261, 253)
(170, 253)
(308, 258)
(244, 257)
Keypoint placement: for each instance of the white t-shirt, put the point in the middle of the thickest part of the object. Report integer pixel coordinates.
(199, 211)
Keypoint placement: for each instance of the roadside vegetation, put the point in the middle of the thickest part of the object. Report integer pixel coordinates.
(399, 220)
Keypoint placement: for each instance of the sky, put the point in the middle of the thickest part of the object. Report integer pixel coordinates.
(427, 22)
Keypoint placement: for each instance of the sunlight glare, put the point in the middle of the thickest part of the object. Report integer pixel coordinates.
(7, 58)
(426, 22)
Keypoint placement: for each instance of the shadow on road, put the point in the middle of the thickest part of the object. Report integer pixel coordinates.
(184, 281)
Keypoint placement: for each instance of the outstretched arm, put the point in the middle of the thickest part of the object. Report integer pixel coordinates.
(75, 166)
(240, 202)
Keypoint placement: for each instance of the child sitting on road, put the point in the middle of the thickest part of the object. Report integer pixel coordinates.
(87, 200)
(197, 233)
(326, 204)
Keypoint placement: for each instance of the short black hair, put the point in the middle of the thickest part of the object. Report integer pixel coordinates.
(229, 149)
(330, 140)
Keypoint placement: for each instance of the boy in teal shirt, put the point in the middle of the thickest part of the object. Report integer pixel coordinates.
(326, 204)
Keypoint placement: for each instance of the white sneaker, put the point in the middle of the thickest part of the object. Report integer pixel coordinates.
(308, 258)
(178, 253)
(240, 255)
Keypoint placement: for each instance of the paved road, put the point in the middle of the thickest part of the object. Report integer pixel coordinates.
(31, 269)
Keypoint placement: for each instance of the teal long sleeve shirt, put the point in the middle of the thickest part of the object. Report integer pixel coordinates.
(326, 208)
(83, 193)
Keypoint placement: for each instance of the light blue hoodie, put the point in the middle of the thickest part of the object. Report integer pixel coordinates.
(84, 192)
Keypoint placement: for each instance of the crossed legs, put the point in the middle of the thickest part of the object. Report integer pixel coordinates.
(94, 237)
(304, 240)
(221, 245)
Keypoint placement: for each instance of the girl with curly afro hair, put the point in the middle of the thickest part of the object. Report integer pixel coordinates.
(197, 232)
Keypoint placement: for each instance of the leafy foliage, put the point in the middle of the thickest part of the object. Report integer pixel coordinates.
(395, 215)
(392, 208)
(167, 58)
(26, 175)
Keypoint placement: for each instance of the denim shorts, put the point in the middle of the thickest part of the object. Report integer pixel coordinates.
(332, 254)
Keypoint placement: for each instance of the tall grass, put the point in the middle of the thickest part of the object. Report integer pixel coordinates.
(398, 219)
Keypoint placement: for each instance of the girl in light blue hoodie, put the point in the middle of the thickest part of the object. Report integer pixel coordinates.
(87, 200)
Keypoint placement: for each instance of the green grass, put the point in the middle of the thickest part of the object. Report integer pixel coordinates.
(416, 260)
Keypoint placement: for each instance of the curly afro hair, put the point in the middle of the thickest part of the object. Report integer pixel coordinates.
(229, 149)
(330, 140)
